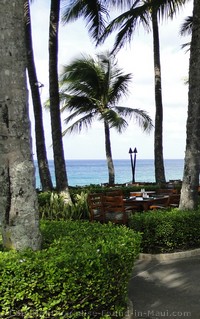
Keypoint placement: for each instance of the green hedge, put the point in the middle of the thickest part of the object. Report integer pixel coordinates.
(167, 231)
(82, 272)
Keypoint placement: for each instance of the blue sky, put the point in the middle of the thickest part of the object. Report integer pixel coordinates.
(135, 58)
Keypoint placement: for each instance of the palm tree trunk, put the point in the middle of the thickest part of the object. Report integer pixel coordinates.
(44, 172)
(158, 137)
(111, 170)
(18, 198)
(58, 151)
(189, 191)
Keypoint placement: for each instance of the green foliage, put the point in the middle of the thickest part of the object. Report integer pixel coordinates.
(79, 209)
(167, 231)
(53, 207)
(82, 272)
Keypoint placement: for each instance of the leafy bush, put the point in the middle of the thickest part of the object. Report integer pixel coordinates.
(167, 231)
(53, 207)
(79, 209)
(82, 272)
(43, 199)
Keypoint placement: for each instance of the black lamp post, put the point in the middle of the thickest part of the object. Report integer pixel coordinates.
(133, 162)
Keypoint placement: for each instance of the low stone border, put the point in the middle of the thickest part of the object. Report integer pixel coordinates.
(170, 256)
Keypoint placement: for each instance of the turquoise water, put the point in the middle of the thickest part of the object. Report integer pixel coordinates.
(86, 172)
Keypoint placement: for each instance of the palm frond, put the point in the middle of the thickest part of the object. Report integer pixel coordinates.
(140, 116)
(76, 116)
(187, 46)
(186, 27)
(72, 116)
(122, 4)
(93, 11)
(82, 75)
(127, 22)
(119, 86)
(114, 120)
(82, 104)
(168, 8)
(83, 123)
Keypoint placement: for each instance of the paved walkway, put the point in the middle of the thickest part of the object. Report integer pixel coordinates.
(165, 289)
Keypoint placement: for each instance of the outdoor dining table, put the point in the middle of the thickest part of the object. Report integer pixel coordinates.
(151, 193)
(143, 204)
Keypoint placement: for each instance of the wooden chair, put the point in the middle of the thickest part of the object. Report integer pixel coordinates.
(171, 201)
(116, 192)
(96, 208)
(114, 209)
(131, 206)
(174, 200)
(160, 203)
(165, 191)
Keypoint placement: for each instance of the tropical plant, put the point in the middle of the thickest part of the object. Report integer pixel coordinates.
(58, 151)
(18, 204)
(189, 191)
(43, 166)
(146, 12)
(52, 206)
(90, 90)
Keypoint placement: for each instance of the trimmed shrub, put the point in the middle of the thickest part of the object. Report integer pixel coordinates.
(167, 231)
(82, 272)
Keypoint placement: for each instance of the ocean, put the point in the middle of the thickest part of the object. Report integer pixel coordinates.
(86, 172)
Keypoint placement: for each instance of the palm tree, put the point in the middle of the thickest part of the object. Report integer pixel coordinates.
(148, 13)
(58, 151)
(18, 204)
(91, 89)
(189, 191)
(145, 12)
(44, 172)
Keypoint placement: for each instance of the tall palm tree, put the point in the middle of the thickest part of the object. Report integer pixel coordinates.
(189, 191)
(43, 166)
(18, 204)
(58, 151)
(91, 89)
(146, 12)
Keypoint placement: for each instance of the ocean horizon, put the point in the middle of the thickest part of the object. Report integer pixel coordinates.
(86, 172)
